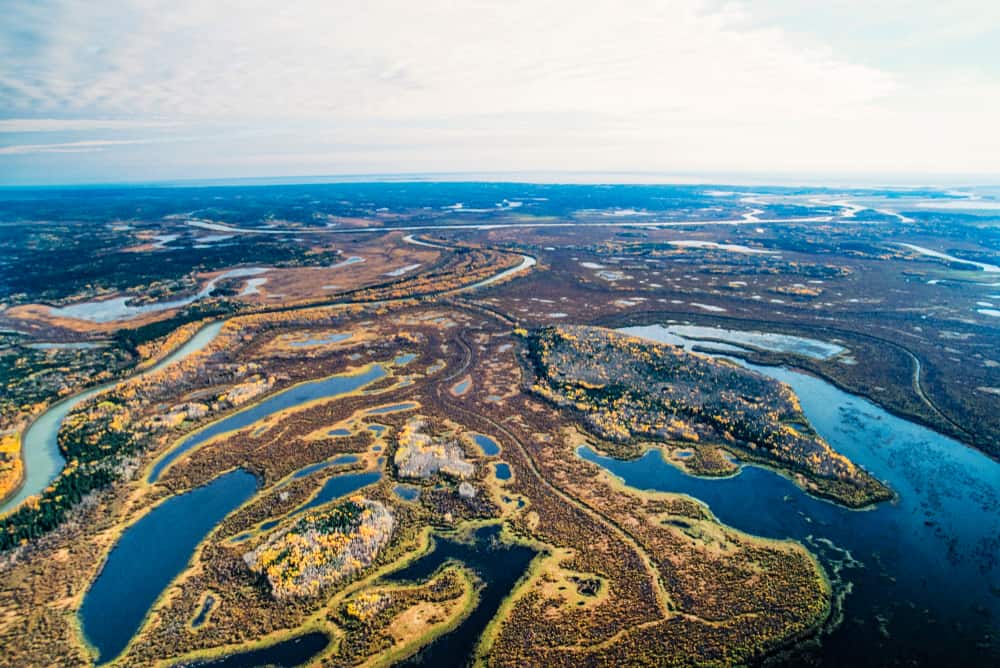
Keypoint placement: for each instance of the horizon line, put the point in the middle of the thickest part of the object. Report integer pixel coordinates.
(544, 177)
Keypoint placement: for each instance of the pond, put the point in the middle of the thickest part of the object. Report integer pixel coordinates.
(335, 487)
(338, 486)
(394, 408)
(149, 555)
(321, 341)
(922, 573)
(302, 393)
(497, 564)
(286, 654)
(206, 607)
(733, 248)
(43, 460)
(502, 471)
(486, 444)
(407, 492)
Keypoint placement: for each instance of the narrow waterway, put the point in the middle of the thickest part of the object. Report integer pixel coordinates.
(286, 654)
(497, 565)
(325, 388)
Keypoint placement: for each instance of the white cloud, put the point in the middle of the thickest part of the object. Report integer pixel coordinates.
(85, 146)
(404, 59)
(73, 125)
(648, 84)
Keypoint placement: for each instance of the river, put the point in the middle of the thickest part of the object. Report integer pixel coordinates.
(920, 575)
(40, 446)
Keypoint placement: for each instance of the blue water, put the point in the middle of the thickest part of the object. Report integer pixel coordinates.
(394, 408)
(342, 459)
(43, 461)
(322, 341)
(404, 359)
(486, 444)
(461, 387)
(293, 396)
(407, 492)
(206, 607)
(498, 566)
(149, 555)
(338, 486)
(286, 654)
(929, 587)
(339, 432)
(502, 471)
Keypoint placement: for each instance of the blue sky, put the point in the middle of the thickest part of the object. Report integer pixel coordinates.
(139, 90)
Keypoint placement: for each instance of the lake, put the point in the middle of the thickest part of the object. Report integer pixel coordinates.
(149, 555)
(497, 564)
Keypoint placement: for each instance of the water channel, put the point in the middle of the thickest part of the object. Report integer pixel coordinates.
(921, 574)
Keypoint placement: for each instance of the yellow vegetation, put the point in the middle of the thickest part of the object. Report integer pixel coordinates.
(11, 466)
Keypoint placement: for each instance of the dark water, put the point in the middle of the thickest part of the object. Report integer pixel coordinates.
(293, 396)
(407, 492)
(394, 408)
(502, 471)
(499, 567)
(206, 607)
(338, 486)
(486, 444)
(923, 571)
(334, 488)
(149, 555)
(285, 654)
(342, 459)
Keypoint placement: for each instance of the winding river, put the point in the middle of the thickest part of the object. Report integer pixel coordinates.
(40, 448)
(920, 576)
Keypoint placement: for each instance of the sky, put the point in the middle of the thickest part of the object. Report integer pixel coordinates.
(796, 90)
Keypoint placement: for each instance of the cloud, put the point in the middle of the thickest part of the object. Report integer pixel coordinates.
(667, 85)
(397, 58)
(23, 125)
(84, 146)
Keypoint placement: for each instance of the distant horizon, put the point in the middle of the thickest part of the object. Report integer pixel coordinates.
(775, 180)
